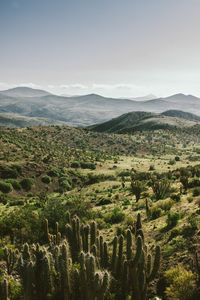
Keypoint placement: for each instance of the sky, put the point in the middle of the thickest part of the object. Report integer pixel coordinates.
(116, 48)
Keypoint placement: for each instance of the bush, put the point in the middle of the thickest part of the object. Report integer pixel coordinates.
(151, 168)
(5, 187)
(155, 212)
(15, 184)
(75, 164)
(46, 179)
(27, 183)
(54, 172)
(190, 199)
(196, 192)
(9, 173)
(180, 283)
(172, 218)
(88, 165)
(165, 204)
(171, 162)
(176, 197)
(115, 216)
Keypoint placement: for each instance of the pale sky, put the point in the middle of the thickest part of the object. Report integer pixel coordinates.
(111, 47)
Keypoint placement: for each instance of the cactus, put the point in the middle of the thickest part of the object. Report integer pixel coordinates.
(51, 271)
(94, 284)
(5, 290)
(120, 257)
(129, 244)
(93, 230)
(64, 270)
(11, 258)
(114, 255)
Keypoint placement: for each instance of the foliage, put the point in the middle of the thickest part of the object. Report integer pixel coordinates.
(180, 283)
(27, 183)
(172, 218)
(5, 187)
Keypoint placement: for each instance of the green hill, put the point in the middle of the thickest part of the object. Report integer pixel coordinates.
(133, 121)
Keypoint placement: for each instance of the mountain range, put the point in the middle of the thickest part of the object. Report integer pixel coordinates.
(37, 107)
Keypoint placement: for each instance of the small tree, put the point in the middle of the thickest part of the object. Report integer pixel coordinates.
(160, 187)
(137, 188)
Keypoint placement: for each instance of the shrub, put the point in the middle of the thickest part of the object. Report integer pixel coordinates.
(18, 168)
(46, 179)
(160, 188)
(88, 165)
(151, 168)
(27, 183)
(9, 173)
(136, 188)
(165, 204)
(5, 187)
(190, 199)
(176, 197)
(75, 164)
(155, 212)
(172, 218)
(54, 172)
(180, 283)
(171, 162)
(196, 192)
(115, 216)
(15, 184)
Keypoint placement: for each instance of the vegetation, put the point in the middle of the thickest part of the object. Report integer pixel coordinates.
(72, 177)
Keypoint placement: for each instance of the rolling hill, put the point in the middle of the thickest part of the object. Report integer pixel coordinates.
(85, 110)
(133, 121)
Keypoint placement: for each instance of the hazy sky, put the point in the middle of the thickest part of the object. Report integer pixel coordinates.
(112, 47)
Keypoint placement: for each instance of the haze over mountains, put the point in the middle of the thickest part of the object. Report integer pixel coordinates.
(35, 107)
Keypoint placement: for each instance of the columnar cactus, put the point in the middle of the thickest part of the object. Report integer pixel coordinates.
(5, 290)
(11, 258)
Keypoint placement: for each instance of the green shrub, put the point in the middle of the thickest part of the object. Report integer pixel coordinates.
(54, 172)
(75, 164)
(172, 162)
(46, 179)
(151, 168)
(165, 204)
(9, 173)
(27, 183)
(176, 197)
(115, 216)
(180, 283)
(5, 187)
(190, 199)
(196, 192)
(15, 184)
(155, 212)
(172, 218)
(88, 165)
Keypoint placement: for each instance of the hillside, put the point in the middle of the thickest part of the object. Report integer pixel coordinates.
(87, 109)
(149, 180)
(181, 114)
(24, 92)
(133, 121)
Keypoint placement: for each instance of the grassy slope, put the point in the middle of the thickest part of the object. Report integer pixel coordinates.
(39, 149)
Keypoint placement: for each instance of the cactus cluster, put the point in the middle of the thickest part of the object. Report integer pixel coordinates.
(83, 266)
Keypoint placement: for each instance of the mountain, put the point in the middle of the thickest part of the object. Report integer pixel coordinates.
(14, 120)
(144, 98)
(181, 114)
(87, 109)
(24, 92)
(138, 120)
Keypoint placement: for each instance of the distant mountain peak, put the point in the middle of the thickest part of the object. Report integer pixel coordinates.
(23, 91)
